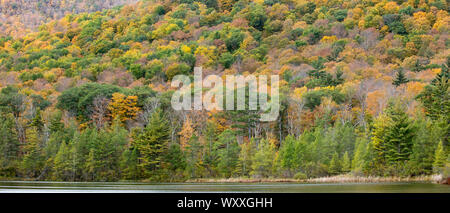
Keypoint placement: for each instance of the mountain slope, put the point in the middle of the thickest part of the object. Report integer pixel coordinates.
(363, 89)
(17, 17)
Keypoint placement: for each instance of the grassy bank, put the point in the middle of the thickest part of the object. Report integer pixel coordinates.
(332, 179)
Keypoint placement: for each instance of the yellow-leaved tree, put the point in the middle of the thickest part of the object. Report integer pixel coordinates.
(186, 133)
(123, 107)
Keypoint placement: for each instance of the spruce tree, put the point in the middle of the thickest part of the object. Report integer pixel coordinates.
(245, 158)
(399, 135)
(358, 157)
(400, 78)
(32, 162)
(63, 166)
(228, 153)
(175, 159)
(37, 121)
(194, 157)
(288, 154)
(335, 166)
(392, 138)
(9, 144)
(439, 158)
(428, 135)
(346, 164)
(55, 122)
(435, 97)
(263, 160)
(129, 164)
(392, 142)
(152, 143)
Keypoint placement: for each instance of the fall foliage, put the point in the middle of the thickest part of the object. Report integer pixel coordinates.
(87, 94)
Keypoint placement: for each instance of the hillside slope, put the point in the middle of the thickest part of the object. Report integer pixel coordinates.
(364, 89)
(18, 17)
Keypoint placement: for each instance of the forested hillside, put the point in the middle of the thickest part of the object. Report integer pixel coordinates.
(364, 90)
(18, 17)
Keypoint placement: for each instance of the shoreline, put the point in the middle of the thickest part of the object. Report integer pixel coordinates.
(331, 179)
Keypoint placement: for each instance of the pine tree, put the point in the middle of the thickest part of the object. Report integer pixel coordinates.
(335, 166)
(37, 121)
(245, 158)
(227, 149)
(439, 158)
(55, 122)
(33, 162)
(63, 165)
(152, 143)
(392, 138)
(194, 157)
(210, 154)
(358, 157)
(176, 161)
(129, 164)
(9, 144)
(378, 142)
(435, 99)
(263, 160)
(91, 166)
(399, 135)
(428, 135)
(436, 96)
(346, 164)
(288, 154)
(400, 78)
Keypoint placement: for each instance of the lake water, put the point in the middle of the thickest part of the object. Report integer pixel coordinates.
(127, 187)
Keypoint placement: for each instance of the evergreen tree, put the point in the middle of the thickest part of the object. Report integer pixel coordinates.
(129, 164)
(63, 163)
(32, 162)
(176, 162)
(210, 154)
(194, 158)
(227, 150)
(152, 143)
(436, 96)
(399, 136)
(400, 78)
(37, 121)
(435, 99)
(245, 158)
(392, 138)
(378, 143)
(439, 158)
(346, 164)
(288, 154)
(91, 166)
(9, 146)
(263, 160)
(358, 157)
(55, 122)
(428, 135)
(335, 165)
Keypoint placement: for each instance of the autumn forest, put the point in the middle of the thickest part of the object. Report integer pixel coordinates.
(85, 89)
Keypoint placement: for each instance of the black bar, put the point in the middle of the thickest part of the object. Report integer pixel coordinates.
(156, 202)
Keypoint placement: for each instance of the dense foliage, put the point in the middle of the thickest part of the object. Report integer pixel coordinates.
(364, 90)
(18, 17)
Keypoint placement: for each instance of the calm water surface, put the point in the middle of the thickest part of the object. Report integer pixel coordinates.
(128, 187)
